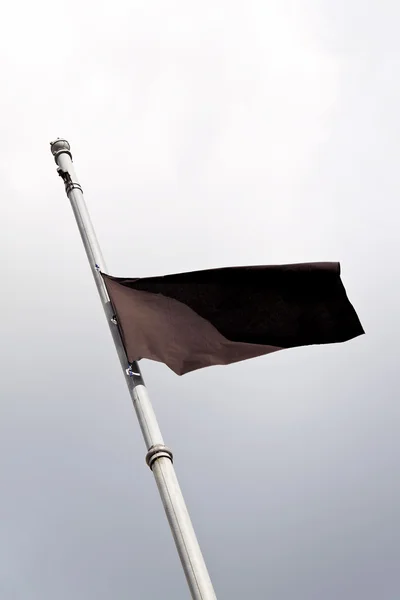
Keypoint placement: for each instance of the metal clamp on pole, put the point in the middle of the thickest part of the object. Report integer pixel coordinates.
(69, 184)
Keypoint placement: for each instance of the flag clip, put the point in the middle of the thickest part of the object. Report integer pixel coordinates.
(131, 373)
(114, 320)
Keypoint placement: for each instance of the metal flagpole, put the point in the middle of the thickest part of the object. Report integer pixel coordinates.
(158, 457)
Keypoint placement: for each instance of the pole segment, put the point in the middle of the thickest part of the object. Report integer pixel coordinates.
(159, 457)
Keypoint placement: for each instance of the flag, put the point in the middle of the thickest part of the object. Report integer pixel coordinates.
(221, 316)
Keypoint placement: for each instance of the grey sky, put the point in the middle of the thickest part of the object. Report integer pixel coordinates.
(204, 134)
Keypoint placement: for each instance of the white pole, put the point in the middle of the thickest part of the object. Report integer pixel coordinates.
(159, 457)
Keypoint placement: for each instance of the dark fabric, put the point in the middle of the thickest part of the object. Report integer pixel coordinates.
(203, 318)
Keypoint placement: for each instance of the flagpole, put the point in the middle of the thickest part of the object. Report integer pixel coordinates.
(159, 457)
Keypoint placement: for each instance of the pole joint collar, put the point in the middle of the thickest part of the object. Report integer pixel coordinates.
(156, 452)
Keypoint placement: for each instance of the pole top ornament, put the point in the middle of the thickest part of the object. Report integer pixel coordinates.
(60, 146)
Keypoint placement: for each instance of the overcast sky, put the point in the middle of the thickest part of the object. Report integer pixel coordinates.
(205, 134)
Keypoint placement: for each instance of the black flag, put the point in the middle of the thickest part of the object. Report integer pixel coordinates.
(221, 316)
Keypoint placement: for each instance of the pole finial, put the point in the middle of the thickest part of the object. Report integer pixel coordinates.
(60, 146)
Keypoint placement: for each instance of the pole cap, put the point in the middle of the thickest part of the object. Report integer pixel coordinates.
(60, 146)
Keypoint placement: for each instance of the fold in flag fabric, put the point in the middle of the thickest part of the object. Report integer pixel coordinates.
(221, 316)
